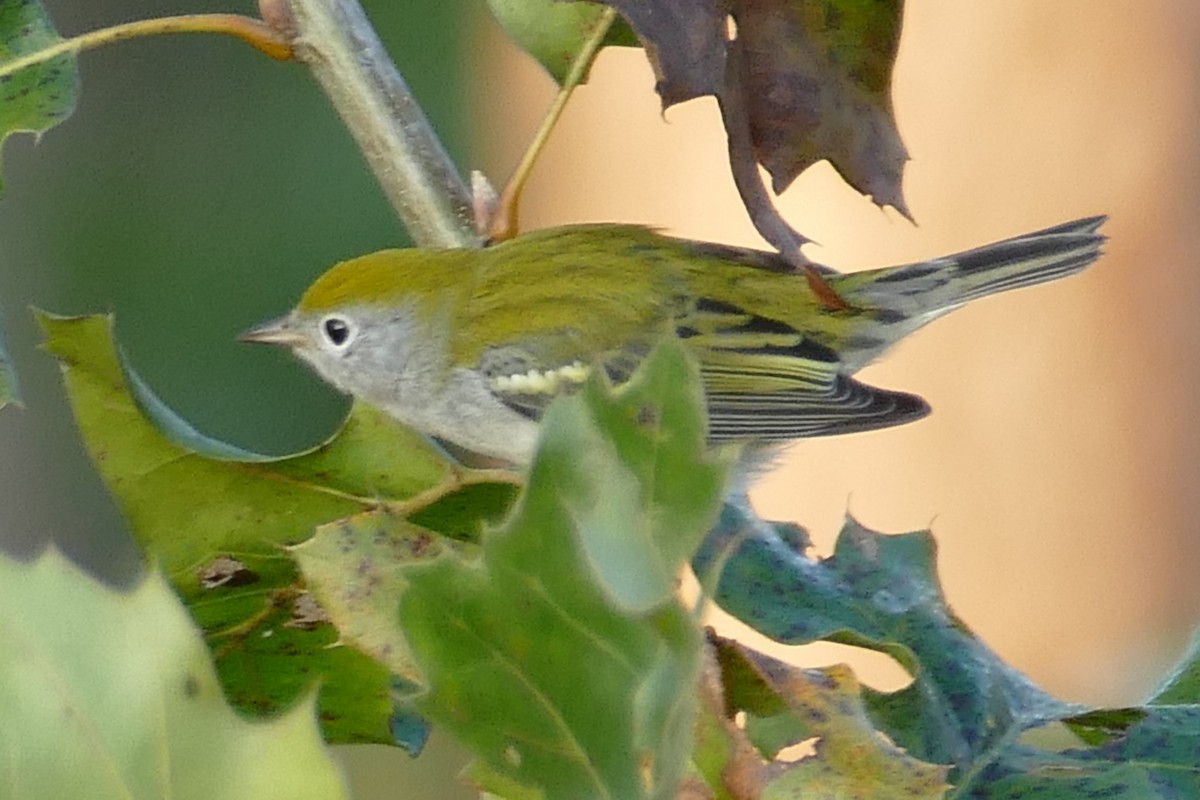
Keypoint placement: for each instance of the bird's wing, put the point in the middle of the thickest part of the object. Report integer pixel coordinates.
(847, 407)
(526, 381)
(766, 381)
(763, 380)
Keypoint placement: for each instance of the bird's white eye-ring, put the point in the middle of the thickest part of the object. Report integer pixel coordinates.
(338, 331)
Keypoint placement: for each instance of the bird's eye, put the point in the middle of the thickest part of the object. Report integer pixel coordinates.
(337, 330)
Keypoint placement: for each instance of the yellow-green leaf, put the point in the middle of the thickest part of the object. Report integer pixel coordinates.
(356, 567)
(219, 527)
(850, 759)
(108, 694)
(554, 31)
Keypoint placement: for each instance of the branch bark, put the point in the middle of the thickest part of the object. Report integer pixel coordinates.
(336, 41)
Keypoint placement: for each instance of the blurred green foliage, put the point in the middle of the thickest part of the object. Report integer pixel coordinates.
(87, 715)
(198, 188)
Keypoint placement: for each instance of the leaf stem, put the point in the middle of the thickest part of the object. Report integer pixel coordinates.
(459, 478)
(254, 32)
(767, 220)
(504, 223)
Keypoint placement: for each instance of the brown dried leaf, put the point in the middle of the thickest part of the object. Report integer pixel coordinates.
(817, 80)
(685, 42)
(799, 81)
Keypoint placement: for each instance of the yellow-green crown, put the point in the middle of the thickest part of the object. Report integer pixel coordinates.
(384, 278)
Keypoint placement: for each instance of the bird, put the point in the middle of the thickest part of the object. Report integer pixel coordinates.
(470, 346)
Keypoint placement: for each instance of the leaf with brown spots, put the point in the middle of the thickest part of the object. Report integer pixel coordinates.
(35, 98)
(849, 758)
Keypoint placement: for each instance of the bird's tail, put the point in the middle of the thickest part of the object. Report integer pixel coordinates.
(927, 290)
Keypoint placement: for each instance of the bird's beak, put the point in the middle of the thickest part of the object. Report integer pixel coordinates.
(275, 331)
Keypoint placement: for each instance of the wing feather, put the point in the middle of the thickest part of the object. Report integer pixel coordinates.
(848, 407)
(763, 380)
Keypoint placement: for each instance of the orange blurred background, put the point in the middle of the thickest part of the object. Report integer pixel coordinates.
(1058, 470)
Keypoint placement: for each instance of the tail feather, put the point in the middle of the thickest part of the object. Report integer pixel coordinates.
(905, 298)
(1085, 225)
(1024, 261)
(923, 291)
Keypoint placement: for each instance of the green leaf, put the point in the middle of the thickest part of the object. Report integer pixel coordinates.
(1153, 757)
(1183, 684)
(718, 745)
(219, 527)
(107, 694)
(38, 97)
(1103, 725)
(559, 674)
(1048, 777)
(492, 784)
(553, 31)
(1163, 742)
(174, 428)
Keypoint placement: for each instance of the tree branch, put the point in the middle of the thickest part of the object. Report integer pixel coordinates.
(335, 39)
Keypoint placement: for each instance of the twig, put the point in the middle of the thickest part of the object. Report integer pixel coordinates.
(252, 31)
(503, 224)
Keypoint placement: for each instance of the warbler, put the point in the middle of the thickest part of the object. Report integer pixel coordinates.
(471, 345)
